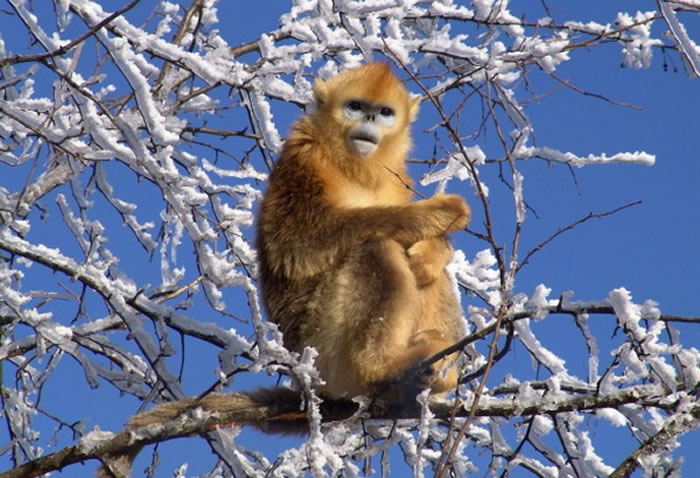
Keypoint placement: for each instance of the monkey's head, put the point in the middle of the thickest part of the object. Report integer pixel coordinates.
(368, 108)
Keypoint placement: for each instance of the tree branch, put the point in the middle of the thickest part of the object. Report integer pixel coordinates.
(273, 414)
(15, 59)
(675, 427)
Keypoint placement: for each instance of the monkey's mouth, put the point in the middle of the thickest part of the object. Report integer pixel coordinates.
(364, 143)
(364, 137)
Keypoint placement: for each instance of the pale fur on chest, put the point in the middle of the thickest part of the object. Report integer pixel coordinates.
(355, 196)
(344, 192)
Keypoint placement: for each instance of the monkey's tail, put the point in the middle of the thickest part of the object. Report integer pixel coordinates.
(272, 410)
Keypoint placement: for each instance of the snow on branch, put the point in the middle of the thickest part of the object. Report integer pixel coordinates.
(551, 154)
(690, 51)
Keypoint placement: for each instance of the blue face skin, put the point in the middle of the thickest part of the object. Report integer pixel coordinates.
(370, 121)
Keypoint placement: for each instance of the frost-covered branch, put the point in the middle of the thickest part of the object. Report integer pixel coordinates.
(62, 50)
(271, 414)
(690, 51)
(671, 430)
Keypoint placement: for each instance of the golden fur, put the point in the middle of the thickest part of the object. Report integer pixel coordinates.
(348, 263)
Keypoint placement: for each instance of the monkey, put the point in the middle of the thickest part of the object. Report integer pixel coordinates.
(348, 263)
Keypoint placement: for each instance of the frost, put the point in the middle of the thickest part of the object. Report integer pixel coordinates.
(542, 425)
(548, 53)
(628, 313)
(539, 303)
(613, 416)
(637, 157)
(688, 48)
(181, 471)
(497, 11)
(638, 45)
(94, 439)
(261, 108)
(457, 167)
(594, 28)
(518, 197)
(479, 276)
(538, 351)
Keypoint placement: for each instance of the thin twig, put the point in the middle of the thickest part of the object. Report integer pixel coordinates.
(560, 231)
(583, 92)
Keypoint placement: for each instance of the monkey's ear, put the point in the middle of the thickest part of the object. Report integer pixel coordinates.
(320, 90)
(413, 107)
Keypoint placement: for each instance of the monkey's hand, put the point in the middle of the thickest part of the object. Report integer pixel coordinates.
(449, 212)
(427, 259)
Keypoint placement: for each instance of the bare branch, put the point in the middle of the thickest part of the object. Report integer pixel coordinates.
(583, 92)
(571, 226)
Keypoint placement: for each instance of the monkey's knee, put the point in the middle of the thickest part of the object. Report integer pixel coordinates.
(445, 379)
(386, 364)
(386, 343)
(400, 377)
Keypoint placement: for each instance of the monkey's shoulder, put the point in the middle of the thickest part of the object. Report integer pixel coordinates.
(291, 182)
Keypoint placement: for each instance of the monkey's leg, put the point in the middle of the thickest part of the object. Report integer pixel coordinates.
(441, 324)
(383, 314)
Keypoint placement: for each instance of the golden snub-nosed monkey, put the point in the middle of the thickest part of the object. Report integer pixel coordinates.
(349, 264)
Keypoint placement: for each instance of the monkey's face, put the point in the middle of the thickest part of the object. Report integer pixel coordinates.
(367, 109)
(368, 124)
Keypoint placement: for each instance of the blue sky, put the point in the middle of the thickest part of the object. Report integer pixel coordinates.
(650, 249)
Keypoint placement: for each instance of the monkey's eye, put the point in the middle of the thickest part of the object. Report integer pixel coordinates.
(355, 105)
(386, 111)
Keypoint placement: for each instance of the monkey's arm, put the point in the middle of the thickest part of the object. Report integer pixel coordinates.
(303, 233)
